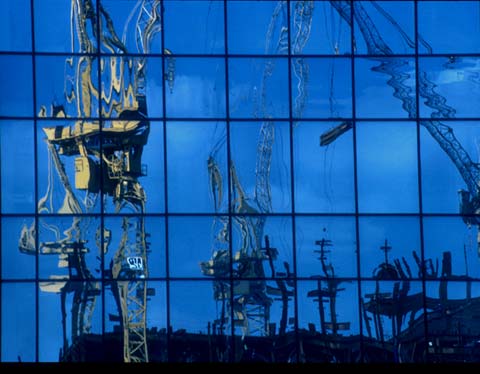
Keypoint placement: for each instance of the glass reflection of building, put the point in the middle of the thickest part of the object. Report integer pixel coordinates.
(183, 181)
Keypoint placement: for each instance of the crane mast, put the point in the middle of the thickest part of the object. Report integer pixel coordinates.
(108, 163)
(251, 299)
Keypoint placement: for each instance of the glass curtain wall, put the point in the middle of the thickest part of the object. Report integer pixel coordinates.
(239, 181)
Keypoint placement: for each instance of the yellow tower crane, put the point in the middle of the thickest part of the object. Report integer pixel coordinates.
(107, 161)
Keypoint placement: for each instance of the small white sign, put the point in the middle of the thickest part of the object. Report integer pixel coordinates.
(135, 263)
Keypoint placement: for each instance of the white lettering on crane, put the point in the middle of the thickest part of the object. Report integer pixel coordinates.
(135, 263)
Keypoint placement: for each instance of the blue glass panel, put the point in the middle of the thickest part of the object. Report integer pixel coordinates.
(18, 322)
(15, 26)
(204, 33)
(387, 167)
(16, 94)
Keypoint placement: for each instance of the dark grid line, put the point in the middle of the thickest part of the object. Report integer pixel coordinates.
(292, 184)
(103, 282)
(245, 55)
(419, 177)
(1, 246)
(196, 214)
(165, 190)
(35, 146)
(249, 119)
(232, 351)
(355, 182)
(452, 279)
(252, 119)
(228, 119)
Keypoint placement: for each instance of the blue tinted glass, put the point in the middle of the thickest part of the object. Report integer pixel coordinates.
(258, 87)
(18, 184)
(239, 181)
(375, 295)
(324, 173)
(249, 243)
(18, 322)
(257, 27)
(192, 244)
(134, 27)
(389, 247)
(321, 317)
(53, 21)
(120, 78)
(445, 82)
(15, 26)
(205, 30)
(384, 27)
(252, 183)
(385, 87)
(16, 94)
(387, 167)
(84, 315)
(67, 86)
(318, 28)
(198, 89)
(457, 253)
(197, 166)
(181, 308)
(321, 88)
(18, 248)
(445, 176)
(448, 26)
(326, 247)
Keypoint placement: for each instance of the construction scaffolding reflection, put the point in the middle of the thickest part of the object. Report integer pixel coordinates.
(107, 164)
(95, 159)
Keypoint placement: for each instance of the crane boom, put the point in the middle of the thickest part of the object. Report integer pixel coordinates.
(443, 134)
(250, 300)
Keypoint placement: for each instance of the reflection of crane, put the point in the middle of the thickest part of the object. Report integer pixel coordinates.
(398, 304)
(443, 134)
(302, 25)
(107, 161)
(329, 293)
(251, 305)
(71, 252)
(250, 300)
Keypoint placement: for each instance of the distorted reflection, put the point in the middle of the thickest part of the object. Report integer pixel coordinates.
(280, 181)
